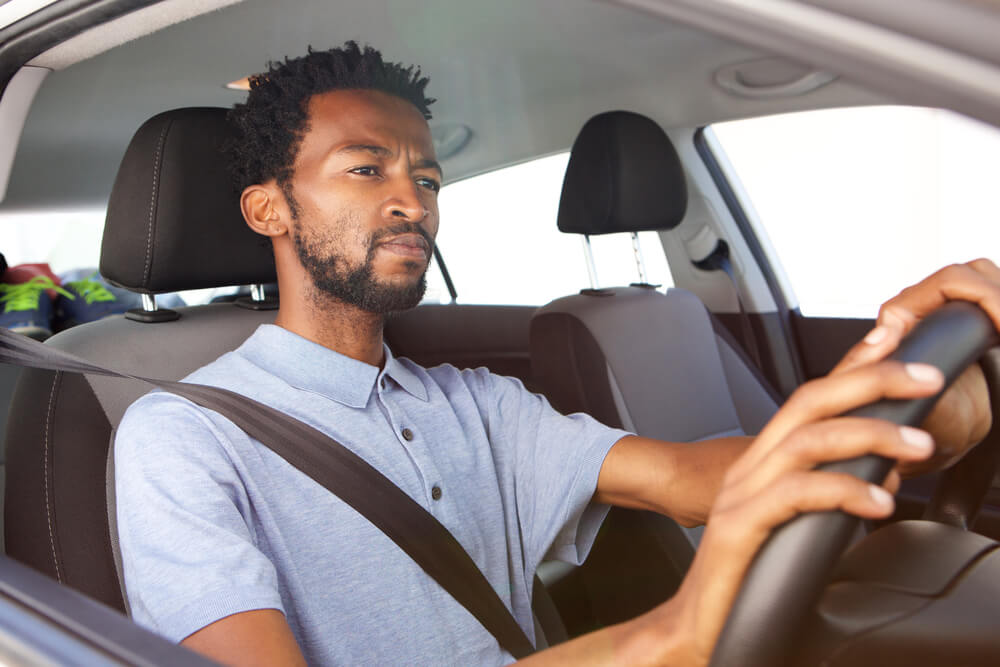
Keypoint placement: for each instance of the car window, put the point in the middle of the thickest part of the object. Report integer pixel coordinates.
(499, 240)
(860, 202)
(65, 239)
(69, 241)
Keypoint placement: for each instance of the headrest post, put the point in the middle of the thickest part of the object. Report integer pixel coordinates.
(257, 292)
(588, 254)
(640, 263)
(150, 313)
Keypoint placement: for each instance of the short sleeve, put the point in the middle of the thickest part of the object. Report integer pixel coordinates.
(557, 460)
(188, 555)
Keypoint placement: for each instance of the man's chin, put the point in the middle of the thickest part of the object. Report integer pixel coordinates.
(385, 299)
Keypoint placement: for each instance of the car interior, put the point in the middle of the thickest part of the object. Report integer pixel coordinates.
(125, 113)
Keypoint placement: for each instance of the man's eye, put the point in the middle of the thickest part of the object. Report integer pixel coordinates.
(429, 183)
(365, 171)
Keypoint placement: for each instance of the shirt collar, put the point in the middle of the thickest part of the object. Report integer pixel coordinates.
(312, 367)
(403, 376)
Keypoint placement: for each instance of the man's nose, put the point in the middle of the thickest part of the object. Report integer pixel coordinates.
(405, 205)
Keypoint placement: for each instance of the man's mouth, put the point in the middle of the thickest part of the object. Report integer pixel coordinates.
(407, 245)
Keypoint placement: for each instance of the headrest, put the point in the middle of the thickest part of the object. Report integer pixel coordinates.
(623, 176)
(174, 220)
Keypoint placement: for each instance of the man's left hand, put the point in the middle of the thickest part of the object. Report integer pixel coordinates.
(962, 418)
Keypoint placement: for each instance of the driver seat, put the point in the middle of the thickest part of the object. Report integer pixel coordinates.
(173, 223)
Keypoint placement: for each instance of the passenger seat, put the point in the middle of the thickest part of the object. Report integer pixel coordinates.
(655, 363)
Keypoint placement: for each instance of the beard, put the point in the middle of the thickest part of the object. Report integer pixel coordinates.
(357, 286)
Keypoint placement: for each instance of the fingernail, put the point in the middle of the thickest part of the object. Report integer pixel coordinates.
(924, 373)
(876, 335)
(917, 440)
(881, 497)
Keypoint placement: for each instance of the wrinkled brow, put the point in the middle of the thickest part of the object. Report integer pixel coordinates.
(383, 152)
(378, 151)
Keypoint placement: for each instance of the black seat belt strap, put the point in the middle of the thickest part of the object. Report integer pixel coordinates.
(332, 465)
(718, 260)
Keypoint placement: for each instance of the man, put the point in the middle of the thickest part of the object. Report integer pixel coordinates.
(236, 554)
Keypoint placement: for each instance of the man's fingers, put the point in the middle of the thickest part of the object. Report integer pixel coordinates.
(751, 519)
(977, 281)
(847, 437)
(875, 346)
(837, 440)
(835, 395)
(892, 482)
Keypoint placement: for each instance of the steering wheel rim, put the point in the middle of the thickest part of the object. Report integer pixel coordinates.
(767, 614)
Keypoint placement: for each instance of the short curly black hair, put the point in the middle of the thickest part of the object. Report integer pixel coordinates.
(270, 124)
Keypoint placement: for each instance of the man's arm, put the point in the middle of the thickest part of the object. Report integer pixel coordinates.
(773, 479)
(678, 479)
(771, 482)
(250, 638)
(681, 480)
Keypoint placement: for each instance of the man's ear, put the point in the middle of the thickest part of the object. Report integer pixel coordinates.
(263, 209)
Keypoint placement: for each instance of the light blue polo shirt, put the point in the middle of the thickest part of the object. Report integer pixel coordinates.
(212, 523)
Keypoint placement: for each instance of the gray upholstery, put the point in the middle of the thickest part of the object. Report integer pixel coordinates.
(668, 374)
(755, 402)
(60, 507)
(166, 350)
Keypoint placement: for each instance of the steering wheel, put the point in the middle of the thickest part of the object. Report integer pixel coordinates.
(789, 573)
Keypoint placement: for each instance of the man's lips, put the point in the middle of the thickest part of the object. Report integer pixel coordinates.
(408, 245)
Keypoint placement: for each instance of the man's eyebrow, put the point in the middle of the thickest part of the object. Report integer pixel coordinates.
(428, 163)
(380, 151)
(383, 152)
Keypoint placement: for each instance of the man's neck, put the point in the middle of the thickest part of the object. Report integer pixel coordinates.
(343, 328)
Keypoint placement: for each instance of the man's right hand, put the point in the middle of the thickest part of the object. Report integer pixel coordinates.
(774, 480)
(770, 483)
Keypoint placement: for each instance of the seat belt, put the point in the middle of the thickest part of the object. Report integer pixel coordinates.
(335, 467)
(718, 260)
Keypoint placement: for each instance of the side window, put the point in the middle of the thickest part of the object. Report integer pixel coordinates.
(65, 239)
(499, 240)
(860, 202)
(69, 241)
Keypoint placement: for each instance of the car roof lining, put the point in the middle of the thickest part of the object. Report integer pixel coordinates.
(125, 28)
(523, 76)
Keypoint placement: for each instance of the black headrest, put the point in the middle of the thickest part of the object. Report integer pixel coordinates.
(623, 176)
(174, 220)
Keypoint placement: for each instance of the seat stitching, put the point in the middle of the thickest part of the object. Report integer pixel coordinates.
(45, 476)
(152, 202)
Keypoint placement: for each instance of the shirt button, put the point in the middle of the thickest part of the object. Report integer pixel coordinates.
(436, 492)
(382, 383)
(407, 434)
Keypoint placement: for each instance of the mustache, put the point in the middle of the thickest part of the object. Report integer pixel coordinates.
(396, 230)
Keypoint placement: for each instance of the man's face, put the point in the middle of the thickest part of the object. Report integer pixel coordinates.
(363, 198)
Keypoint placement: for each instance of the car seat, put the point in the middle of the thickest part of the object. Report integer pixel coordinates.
(654, 363)
(173, 223)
